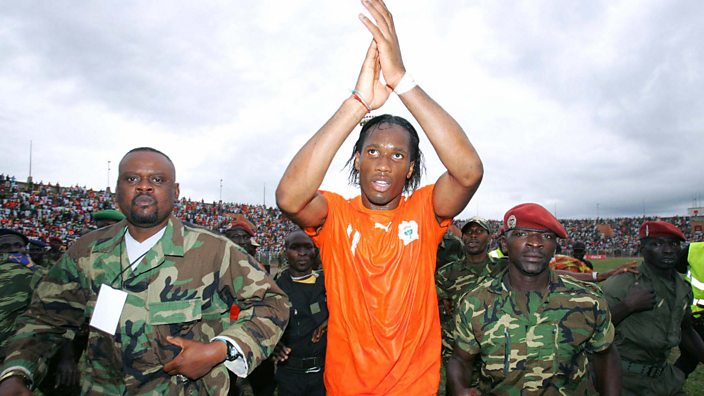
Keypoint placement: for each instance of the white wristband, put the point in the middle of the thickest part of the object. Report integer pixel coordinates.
(594, 276)
(406, 84)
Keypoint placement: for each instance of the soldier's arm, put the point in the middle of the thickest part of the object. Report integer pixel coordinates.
(441, 284)
(56, 312)
(264, 310)
(459, 372)
(14, 386)
(691, 341)
(607, 370)
(638, 299)
(17, 293)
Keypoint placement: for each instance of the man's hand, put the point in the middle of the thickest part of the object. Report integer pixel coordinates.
(383, 56)
(384, 33)
(14, 386)
(639, 299)
(196, 359)
(318, 333)
(631, 266)
(447, 304)
(368, 84)
(67, 373)
(281, 353)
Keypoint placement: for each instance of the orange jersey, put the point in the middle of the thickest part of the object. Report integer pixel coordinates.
(384, 328)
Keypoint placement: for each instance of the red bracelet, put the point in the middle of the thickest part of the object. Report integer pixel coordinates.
(358, 98)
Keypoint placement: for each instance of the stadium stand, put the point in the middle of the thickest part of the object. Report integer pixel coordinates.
(42, 211)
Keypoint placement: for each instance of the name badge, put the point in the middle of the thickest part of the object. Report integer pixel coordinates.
(108, 309)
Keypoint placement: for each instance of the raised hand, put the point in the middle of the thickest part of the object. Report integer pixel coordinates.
(384, 33)
(369, 86)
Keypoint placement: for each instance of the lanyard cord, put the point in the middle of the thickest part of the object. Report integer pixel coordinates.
(122, 270)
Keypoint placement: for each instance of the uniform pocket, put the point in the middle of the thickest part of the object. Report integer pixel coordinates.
(168, 312)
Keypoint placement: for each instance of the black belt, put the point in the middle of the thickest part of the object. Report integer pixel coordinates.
(648, 370)
(304, 363)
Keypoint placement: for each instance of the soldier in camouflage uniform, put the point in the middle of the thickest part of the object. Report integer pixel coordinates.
(651, 312)
(173, 331)
(531, 328)
(17, 276)
(450, 248)
(459, 276)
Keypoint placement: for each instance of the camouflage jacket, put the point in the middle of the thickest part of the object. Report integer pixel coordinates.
(15, 293)
(450, 249)
(184, 286)
(458, 277)
(649, 336)
(452, 281)
(541, 351)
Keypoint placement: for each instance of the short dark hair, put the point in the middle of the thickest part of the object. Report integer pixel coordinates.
(150, 149)
(416, 155)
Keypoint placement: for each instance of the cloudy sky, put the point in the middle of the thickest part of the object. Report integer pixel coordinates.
(583, 106)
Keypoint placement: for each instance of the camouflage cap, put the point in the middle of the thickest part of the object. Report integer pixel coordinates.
(108, 214)
(535, 217)
(482, 222)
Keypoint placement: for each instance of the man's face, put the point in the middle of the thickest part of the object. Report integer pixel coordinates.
(300, 253)
(242, 238)
(36, 250)
(530, 251)
(12, 244)
(660, 252)
(475, 239)
(578, 253)
(146, 189)
(384, 164)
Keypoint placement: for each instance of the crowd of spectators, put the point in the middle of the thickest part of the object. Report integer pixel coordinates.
(44, 211)
(608, 236)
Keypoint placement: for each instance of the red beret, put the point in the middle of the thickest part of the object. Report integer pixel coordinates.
(659, 229)
(241, 222)
(534, 217)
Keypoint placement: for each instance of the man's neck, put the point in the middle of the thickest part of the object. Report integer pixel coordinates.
(661, 272)
(299, 274)
(523, 282)
(476, 259)
(141, 234)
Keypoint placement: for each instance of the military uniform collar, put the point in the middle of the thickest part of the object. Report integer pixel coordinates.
(174, 234)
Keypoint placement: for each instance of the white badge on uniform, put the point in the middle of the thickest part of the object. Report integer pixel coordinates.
(108, 309)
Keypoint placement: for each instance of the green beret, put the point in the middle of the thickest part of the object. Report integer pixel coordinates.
(108, 214)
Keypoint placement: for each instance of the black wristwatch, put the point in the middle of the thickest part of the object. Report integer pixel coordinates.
(232, 352)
